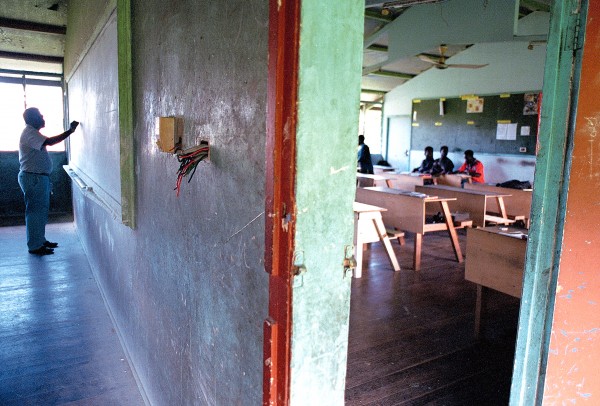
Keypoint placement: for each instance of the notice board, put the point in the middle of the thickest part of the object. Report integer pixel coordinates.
(496, 124)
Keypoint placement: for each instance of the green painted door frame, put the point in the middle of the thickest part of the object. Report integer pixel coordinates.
(549, 199)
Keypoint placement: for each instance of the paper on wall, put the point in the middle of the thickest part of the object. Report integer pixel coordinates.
(506, 131)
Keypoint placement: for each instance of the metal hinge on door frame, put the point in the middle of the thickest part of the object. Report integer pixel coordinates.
(577, 42)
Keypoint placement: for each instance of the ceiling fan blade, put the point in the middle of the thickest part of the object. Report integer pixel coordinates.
(465, 66)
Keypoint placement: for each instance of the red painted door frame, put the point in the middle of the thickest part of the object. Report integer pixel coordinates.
(284, 27)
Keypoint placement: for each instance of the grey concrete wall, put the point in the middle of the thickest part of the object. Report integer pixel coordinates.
(11, 197)
(187, 287)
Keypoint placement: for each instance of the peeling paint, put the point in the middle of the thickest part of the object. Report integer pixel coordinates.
(333, 171)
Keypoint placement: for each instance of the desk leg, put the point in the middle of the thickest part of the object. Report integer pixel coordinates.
(479, 305)
(452, 232)
(417, 254)
(502, 207)
(386, 241)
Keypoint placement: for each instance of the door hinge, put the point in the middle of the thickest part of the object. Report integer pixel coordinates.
(298, 267)
(577, 42)
(349, 262)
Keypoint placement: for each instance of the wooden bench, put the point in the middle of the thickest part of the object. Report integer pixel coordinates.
(518, 207)
(368, 228)
(406, 211)
(396, 234)
(474, 202)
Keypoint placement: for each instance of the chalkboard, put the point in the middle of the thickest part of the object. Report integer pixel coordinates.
(95, 147)
(461, 130)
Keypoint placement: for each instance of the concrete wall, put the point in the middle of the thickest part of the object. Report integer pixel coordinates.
(187, 287)
(512, 68)
(11, 198)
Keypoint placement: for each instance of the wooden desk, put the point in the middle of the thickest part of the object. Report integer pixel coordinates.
(518, 207)
(454, 179)
(495, 260)
(368, 227)
(407, 181)
(406, 211)
(474, 202)
(378, 169)
(367, 180)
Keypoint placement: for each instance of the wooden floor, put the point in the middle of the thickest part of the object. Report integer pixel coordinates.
(411, 334)
(57, 342)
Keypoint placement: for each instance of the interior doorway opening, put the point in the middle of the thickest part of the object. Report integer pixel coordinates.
(419, 328)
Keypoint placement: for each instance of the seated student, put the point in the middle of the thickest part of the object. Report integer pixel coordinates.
(443, 164)
(364, 157)
(472, 167)
(427, 163)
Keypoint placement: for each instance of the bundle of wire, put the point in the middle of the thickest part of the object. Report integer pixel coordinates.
(189, 160)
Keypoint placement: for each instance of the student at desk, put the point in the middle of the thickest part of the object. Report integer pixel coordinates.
(443, 165)
(472, 167)
(427, 163)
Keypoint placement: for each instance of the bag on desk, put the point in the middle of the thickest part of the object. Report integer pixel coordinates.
(515, 184)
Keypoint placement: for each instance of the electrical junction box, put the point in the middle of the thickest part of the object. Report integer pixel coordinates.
(170, 132)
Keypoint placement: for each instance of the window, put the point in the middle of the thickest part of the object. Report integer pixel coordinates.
(14, 98)
(370, 127)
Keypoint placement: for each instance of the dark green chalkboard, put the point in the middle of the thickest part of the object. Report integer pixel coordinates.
(460, 130)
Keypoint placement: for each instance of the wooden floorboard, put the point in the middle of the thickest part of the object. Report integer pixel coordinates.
(411, 338)
(58, 345)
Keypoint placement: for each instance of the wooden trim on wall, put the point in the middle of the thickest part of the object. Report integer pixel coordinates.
(284, 28)
(127, 150)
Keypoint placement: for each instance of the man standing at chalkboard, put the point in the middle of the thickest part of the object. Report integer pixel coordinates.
(472, 167)
(427, 163)
(34, 179)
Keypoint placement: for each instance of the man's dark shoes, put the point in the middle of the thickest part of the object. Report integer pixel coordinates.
(42, 251)
(49, 244)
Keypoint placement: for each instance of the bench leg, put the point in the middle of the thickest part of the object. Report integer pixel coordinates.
(452, 232)
(386, 241)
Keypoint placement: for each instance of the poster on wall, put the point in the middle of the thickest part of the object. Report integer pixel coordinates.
(530, 107)
(507, 132)
(475, 105)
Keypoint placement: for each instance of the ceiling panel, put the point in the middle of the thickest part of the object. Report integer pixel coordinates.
(31, 42)
(413, 66)
(384, 83)
(53, 12)
(374, 57)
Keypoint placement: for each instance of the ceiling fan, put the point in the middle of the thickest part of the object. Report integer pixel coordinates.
(440, 61)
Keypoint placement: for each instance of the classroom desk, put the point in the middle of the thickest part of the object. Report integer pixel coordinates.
(474, 202)
(495, 260)
(369, 227)
(453, 179)
(518, 207)
(406, 211)
(407, 181)
(367, 180)
(378, 169)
